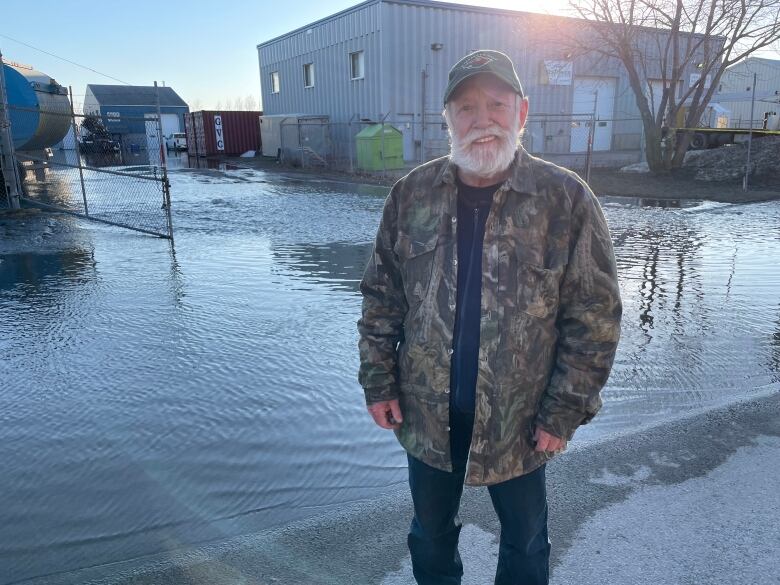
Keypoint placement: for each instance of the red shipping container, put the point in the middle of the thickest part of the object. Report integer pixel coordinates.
(239, 132)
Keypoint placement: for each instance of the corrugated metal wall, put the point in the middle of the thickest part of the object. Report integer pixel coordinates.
(397, 37)
(409, 30)
(739, 78)
(327, 45)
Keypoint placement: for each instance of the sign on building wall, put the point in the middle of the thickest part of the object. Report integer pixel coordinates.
(696, 76)
(557, 72)
(219, 134)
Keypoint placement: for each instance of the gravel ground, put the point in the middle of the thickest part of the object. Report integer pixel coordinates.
(677, 186)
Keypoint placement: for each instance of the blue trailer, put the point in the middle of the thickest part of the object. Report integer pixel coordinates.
(39, 109)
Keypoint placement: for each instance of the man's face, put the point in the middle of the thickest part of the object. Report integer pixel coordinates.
(485, 117)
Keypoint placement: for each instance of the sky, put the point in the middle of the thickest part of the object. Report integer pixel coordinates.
(205, 51)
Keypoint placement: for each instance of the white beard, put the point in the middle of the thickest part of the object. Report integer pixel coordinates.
(484, 161)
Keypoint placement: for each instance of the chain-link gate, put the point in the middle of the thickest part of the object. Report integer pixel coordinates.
(95, 177)
(91, 173)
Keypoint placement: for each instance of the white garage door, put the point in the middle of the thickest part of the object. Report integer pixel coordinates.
(592, 94)
(170, 124)
(655, 95)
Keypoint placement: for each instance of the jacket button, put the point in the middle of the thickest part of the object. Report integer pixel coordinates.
(450, 351)
(448, 429)
(455, 262)
(452, 306)
(446, 390)
(454, 219)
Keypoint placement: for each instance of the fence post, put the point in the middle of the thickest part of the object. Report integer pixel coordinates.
(590, 147)
(300, 144)
(422, 117)
(280, 154)
(8, 168)
(384, 163)
(350, 138)
(78, 154)
(166, 186)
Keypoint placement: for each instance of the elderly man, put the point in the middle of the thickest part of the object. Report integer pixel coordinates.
(491, 315)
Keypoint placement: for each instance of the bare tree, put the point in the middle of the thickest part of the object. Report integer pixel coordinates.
(665, 40)
(250, 103)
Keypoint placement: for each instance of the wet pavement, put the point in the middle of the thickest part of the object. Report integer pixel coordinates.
(155, 397)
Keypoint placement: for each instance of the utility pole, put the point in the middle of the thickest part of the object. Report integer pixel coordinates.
(7, 157)
(750, 136)
(164, 165)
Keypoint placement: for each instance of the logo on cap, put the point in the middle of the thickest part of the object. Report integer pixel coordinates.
(477, 61)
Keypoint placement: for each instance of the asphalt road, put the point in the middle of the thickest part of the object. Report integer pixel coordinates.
(694, 500)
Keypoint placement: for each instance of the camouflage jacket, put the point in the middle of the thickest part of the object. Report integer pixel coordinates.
(550, 314)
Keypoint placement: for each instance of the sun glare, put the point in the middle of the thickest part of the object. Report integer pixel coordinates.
(547, 7)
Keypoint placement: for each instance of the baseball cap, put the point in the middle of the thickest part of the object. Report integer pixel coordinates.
(483, 61)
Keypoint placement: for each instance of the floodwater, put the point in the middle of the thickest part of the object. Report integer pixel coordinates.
(153, 399)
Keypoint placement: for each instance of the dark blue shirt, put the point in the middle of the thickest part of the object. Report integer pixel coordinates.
(473, 209)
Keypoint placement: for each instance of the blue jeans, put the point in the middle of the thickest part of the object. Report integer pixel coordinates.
(520, 503)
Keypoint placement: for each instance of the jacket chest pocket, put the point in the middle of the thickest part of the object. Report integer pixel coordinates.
(537, 290)
(417, 262)
(525, 283)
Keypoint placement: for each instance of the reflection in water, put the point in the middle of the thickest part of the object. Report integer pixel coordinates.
(649, 202)
(182, 160)
(162, 398)
(31, 272)
(339, 265)
(697, 286)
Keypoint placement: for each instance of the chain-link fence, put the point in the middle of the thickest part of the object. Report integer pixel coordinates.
(90, 172)
(393, 146)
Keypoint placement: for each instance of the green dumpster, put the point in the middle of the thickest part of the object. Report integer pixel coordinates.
(375, 153)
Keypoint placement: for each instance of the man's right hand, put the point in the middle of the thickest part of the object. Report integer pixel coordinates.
(386, 414)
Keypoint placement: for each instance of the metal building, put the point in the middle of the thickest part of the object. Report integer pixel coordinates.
(388, 60)
(735, 91)
(123, 109)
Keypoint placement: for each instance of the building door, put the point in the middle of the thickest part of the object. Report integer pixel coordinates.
(655, 94)
(406, 126)
(170, 124)
(592, 95)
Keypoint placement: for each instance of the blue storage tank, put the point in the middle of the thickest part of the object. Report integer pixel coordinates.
(39, 108)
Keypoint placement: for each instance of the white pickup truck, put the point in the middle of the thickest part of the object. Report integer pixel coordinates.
(176, 141)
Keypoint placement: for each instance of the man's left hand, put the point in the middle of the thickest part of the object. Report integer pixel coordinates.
(547, 442)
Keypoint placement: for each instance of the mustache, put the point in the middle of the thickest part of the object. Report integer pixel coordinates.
(491, 131)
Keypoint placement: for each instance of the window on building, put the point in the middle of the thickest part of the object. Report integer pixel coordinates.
(274, 82)
(308, 75)
(357, 65)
